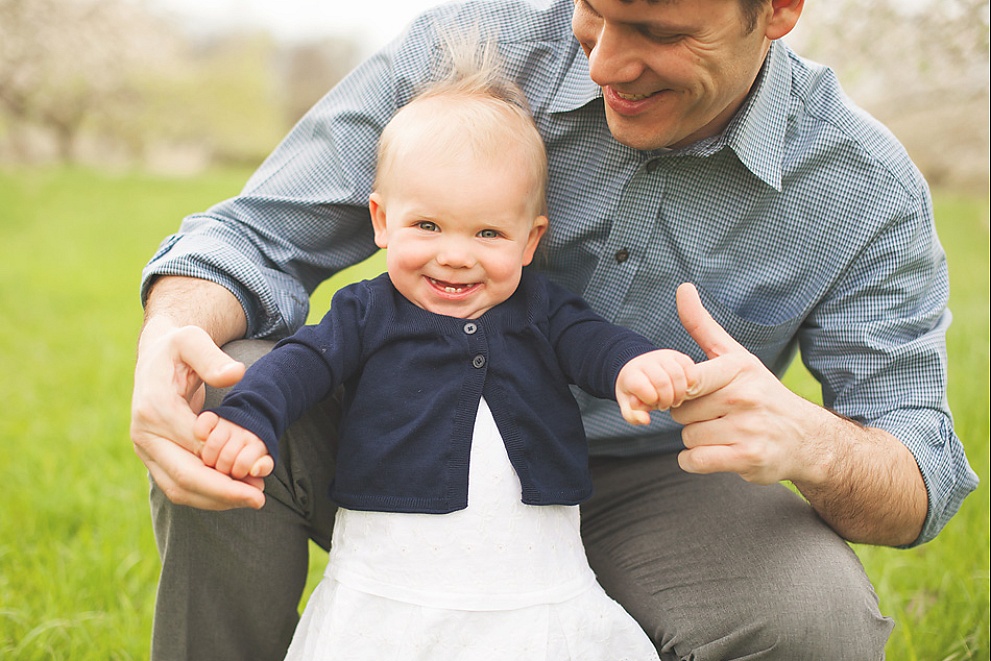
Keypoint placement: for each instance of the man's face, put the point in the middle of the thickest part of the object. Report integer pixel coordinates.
(671, 72)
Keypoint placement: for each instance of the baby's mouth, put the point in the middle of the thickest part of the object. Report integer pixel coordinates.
(452, 287)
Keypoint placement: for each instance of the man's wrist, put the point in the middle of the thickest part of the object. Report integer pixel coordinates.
(176, 301)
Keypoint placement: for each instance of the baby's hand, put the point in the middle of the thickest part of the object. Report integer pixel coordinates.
(231, 449)
(655, 380)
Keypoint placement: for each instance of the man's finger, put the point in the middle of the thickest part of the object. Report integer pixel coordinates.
(708, 334)
(713, 375)
(196, 348)
(707, 459)
(213, 491)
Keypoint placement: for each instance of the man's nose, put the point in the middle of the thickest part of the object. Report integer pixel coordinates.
(613, 59)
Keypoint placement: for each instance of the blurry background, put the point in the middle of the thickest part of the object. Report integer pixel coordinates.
(179, 85)
(119, 117)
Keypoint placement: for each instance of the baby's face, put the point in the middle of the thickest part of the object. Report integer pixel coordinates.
(458, 230)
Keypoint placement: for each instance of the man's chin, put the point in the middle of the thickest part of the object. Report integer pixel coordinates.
(637, 134)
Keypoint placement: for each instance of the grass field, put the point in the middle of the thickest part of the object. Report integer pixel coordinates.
(78, 564)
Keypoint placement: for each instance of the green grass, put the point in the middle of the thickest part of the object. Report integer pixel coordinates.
(78, 564)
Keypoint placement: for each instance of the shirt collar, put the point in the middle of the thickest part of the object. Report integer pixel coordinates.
(757, 132)
(576, 88)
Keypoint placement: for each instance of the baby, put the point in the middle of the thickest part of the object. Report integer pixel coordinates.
(462, 457)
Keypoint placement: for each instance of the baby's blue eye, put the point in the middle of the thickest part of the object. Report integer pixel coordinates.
(428, 226)
(489, 234)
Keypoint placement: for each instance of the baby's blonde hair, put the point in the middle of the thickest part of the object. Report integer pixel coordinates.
(480, 108)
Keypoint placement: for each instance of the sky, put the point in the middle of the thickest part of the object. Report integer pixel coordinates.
(374, 22)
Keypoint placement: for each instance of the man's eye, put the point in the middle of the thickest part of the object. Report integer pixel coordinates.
(662, 37)
(489, 234)
(427, 226)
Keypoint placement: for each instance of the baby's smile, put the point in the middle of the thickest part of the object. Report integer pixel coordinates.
(452, 287)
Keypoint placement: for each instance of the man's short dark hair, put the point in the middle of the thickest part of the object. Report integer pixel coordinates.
(749, 8)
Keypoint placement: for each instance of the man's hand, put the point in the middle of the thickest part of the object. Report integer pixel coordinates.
(740, 418)
(174, 361)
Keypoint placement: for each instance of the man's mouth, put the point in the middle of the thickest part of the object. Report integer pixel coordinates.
(631, 97)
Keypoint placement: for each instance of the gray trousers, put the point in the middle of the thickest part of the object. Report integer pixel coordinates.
(712, 567)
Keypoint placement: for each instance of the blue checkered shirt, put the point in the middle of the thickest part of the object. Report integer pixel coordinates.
(804, 225)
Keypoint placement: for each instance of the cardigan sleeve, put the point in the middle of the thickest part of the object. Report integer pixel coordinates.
(300, 371)
(590, 350)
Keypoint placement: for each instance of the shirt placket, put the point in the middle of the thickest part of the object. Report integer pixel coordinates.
(630, 230)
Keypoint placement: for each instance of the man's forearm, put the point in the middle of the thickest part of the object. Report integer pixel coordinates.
(869, 488)
(180, 301)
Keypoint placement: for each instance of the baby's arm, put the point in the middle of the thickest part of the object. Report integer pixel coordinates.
(231, 449)
(655, 380)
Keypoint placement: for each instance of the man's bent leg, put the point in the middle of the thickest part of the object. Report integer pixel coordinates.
(715, 568)
(231, 581)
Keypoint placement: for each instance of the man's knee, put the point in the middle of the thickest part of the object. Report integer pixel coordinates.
(833, 615)
(837, 626)
(715, 568)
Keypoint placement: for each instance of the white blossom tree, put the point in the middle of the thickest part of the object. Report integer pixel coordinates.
(67, 64)
(921, 67)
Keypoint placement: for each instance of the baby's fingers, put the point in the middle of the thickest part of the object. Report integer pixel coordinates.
(236, 444)
(262, 467)
(633, 410)
(250, 456)
(216, 442)
(204, 424)
(673, 375)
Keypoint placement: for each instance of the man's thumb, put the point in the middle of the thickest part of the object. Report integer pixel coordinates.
(708, 334)
(197, 349)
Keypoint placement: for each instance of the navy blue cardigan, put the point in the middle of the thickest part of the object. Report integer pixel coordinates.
(413, 380)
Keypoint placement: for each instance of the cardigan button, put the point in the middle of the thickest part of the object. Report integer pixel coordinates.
(470, 328)
(478, 361)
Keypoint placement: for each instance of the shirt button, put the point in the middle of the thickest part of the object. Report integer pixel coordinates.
(622, 255)
(470, 328)
(653, 165)
(478, 361)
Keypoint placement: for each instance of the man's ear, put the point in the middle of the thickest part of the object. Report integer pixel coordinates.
(784, 17)
(537, 230)
(376, 209)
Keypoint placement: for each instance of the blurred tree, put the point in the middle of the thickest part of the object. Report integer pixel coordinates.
(921, 67)
(64, 63)
(307, 71)
(222, 100)
(107, 81)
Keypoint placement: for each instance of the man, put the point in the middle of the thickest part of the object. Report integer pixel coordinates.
(686, 144)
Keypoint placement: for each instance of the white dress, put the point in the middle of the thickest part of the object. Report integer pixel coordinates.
(498, 580)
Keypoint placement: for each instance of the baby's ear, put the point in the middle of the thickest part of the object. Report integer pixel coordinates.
(537, 231)
(376, 208)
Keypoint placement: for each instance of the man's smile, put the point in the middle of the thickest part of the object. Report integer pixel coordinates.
(631, 97)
